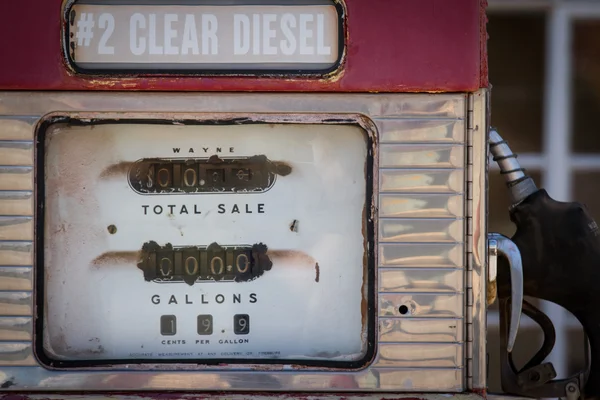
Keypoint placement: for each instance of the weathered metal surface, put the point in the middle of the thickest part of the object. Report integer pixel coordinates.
(17, 202)
(426, 205)
(15, 328)
(16, 177)
(16, 354)
(17, 127)
(391, 47)
(422, 181)
(435, 315)
(419, 130)
(16, 278)
(420, 230)
(432, 255)
(16, 228)
(477, 209)
(408, 305)
(343, 384)
(16, 303)
(16, 253)
(420, 280)
(433, 355)
(410, 330)
(422, 156)
(16, 152)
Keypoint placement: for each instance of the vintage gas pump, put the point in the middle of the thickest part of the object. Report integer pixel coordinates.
(271, 197)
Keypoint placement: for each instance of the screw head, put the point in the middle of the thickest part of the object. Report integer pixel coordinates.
(534, 376)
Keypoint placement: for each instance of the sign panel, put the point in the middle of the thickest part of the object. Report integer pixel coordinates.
(225, 38)
(205, 243)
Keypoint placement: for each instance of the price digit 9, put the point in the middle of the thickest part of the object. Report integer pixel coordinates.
(241, 324)
(205, 324)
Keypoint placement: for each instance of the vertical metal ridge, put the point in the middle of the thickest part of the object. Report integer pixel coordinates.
(476, 238)
(16, 239)
(468, 332)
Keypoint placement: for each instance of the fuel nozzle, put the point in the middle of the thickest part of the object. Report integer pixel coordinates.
(559, 246)
(520, 186)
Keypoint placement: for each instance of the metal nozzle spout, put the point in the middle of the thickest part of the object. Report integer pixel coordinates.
(520, 185)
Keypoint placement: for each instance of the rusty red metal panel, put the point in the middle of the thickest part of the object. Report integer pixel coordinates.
(392, 46)
(483, 20)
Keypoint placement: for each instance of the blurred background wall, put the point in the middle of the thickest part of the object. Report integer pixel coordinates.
(544, 65)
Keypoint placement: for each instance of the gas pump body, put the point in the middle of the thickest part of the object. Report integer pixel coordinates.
(407, 93)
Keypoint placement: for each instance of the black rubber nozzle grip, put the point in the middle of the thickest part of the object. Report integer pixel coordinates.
(560, 249)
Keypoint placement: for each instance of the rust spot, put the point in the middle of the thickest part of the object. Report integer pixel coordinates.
(117, 257)
(296, 256)
(215, 159)
(364, 303)
(282, 168)
(112, 229)
(317, 272)
(294, 226)
(118, 169)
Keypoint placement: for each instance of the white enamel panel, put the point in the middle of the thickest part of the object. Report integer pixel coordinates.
(315, 264)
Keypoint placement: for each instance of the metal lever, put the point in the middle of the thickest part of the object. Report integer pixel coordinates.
(500, 244)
